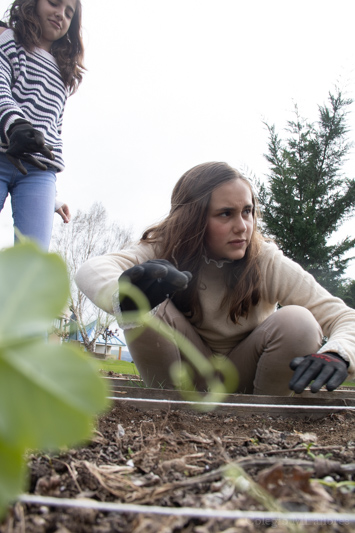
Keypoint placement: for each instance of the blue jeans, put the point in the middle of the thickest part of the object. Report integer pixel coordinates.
(32, 199)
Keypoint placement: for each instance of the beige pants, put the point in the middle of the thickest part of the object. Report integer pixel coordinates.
(262, 359)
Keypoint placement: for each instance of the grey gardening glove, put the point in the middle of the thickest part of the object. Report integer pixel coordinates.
(25, 140)
(158, 279)
(324, 368)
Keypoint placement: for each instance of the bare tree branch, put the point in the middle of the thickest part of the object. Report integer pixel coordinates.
(89, 234)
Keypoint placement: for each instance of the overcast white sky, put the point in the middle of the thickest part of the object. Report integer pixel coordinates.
(174, 83)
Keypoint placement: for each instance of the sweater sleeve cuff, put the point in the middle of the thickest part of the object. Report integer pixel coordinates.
(335, 346)
(11, 122)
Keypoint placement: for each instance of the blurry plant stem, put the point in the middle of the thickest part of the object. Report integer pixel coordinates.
(182, 372)
(245, 483)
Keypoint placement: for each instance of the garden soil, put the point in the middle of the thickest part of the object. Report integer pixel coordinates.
(176, 458)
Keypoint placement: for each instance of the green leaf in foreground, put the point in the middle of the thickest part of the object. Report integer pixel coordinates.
(49, 393)
(34, 288)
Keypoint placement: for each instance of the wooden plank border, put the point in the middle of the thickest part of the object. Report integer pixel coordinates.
(305, 405)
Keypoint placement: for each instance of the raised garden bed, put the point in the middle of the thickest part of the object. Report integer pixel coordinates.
(174, 460)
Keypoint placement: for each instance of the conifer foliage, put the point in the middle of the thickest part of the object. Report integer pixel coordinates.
(307, 196)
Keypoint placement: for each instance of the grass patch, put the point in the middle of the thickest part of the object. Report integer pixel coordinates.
(121, 367)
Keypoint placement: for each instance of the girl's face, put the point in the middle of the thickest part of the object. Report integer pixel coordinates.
(230, 221)
(54, 17)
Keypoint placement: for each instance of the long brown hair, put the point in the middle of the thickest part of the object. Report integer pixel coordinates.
(68, 51)
(180, 239)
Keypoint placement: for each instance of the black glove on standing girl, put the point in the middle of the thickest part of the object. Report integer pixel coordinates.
(24, 141)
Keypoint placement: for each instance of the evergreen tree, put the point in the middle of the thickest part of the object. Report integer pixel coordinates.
(348, 293)
(307, 197)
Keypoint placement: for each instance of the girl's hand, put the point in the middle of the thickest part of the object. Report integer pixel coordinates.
(324, 368)
(157, 279)
(24, 140)
(64, 212)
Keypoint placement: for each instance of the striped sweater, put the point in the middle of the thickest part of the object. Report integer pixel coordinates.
(31, 88)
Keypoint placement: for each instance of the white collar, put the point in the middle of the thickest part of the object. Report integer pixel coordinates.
(219, 264)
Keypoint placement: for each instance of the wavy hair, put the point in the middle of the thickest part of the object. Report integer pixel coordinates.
(180, 238)
(68, 51)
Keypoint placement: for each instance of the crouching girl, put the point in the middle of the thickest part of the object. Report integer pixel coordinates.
(208, 273)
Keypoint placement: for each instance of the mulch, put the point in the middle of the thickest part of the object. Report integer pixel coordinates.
(175, 459)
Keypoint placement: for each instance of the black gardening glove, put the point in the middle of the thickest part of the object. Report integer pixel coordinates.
(25, 140)
(324, 368)
(157, 279)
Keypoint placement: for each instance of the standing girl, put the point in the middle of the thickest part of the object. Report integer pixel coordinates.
(41, 64)
(210, 275)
